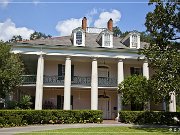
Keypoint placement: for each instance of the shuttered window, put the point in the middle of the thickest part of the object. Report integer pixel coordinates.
(61, 71)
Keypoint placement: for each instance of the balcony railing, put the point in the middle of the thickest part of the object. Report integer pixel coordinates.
(107, 82)
(75, 81)
(29, 79)
(53, 80)
(78, 80)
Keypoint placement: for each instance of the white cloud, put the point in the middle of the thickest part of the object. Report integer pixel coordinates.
(90, 15)
(4, 3)
(8, 29)
(105, 16)
(65, 27)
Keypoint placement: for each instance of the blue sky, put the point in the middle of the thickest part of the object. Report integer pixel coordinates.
(57, 18)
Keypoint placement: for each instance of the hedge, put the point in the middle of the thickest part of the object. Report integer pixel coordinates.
(146, 117)
(28, 117)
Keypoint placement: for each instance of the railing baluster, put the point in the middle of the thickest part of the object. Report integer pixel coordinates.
(77, 80)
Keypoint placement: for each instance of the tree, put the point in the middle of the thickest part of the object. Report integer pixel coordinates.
(135, 89)
(16, 39)
(163, 24)
(39, 35)
(116, 31)
(11, 69)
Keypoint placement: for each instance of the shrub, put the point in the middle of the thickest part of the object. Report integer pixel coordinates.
(27, 117)
(146, 117)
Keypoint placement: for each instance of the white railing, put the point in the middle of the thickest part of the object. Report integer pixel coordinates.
(94, 30)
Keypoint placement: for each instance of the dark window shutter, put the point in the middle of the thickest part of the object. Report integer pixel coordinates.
(141, 71)
(72, 72)
(132, 70)
(59, 69)
(72, 101)
(59, 103)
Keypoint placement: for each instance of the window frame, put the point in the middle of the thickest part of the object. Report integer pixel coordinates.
(80, 36)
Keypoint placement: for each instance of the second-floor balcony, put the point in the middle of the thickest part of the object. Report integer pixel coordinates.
(75, 81)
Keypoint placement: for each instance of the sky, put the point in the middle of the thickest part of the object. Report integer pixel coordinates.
(60, 17)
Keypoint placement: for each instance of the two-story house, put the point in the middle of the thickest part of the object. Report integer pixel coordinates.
(81, 71)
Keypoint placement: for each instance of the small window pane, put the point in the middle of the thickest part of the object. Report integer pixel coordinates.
(79, 38)
(106, 39)
(134, 40)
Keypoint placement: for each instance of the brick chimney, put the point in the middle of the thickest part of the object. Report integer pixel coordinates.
(84, 23)
(110, 24)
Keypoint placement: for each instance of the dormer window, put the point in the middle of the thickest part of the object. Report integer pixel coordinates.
(79, 38)
(134, 41)
(107, 40)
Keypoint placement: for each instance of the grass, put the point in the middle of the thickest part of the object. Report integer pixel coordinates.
(109, 131)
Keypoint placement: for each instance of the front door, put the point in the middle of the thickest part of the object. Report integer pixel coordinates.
(104, 105)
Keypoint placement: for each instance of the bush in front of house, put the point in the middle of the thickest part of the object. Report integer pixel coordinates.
(147, 117)
(10, 118)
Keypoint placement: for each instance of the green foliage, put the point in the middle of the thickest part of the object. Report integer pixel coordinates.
(28, 117)
(134, 88)
(146, 117)
(163, 56)
(11, 69)
(116, 32)
(39, 35)
(16, 39)
(25, 102)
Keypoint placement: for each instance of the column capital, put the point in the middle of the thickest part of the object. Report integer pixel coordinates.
(94, 58)
(68, 57)
(120, 59)
(145, 60)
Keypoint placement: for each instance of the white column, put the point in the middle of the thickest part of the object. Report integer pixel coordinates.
(146, 74)
(146, 69)
(120, 79)
(94, 85)
(67, 84)
(39, 83)
(172, 104)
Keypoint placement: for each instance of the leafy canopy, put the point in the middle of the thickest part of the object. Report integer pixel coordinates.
(39, 35)
(11, 69)
(134, 88)
(163, 24)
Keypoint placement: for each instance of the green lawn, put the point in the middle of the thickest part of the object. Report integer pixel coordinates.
(109, 131)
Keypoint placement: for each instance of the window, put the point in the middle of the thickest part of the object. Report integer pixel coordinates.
(60, 102)
(134, 40)
(106, 39)
(136, 70)
(61, 71)
(79, 38)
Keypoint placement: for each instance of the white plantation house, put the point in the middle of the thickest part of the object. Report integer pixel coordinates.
(81, 71)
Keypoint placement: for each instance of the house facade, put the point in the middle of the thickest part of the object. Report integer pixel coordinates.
(81, 71)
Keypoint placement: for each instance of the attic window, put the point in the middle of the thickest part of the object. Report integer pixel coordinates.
(134, 40)
(79, 38)
(107, 39)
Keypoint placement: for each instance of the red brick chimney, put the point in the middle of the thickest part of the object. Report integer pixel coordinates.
(84, 23)
(110, 24)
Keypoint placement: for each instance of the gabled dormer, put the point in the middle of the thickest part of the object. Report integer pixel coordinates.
(105, 39)
(78, 37)
(132, 40)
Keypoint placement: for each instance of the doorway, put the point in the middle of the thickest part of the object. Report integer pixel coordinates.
(104, 104)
